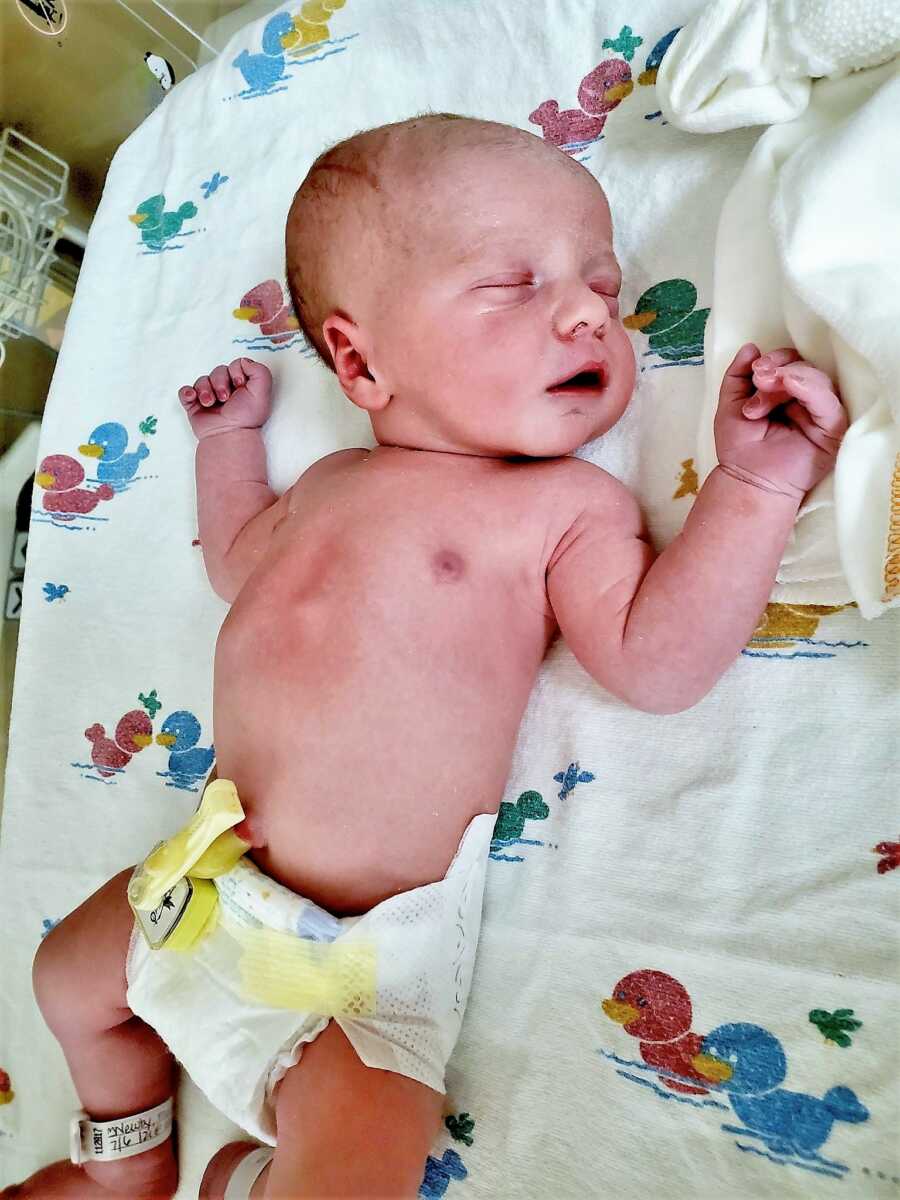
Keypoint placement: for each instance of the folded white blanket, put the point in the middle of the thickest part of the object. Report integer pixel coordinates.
(808, 254)
(752, 62)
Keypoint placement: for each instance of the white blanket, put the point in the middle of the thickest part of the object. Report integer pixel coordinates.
(808, 252)
(728, 849)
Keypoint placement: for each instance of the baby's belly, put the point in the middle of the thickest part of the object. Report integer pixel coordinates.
(363, 741)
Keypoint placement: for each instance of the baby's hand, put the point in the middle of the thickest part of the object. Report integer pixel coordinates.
(238, 396)
(792, 450)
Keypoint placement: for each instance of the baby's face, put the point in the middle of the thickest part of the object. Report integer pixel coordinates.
(508, 286)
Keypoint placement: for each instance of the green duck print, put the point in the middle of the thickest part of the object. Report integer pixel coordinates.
(157, 226)
(510, 825)
(666, 313)
(835, 1026)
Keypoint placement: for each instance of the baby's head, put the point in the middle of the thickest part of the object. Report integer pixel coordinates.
(451, 271)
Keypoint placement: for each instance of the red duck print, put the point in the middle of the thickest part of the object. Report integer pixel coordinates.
(654, 1007)
(60, 476)
(265, 306)
(598, 94)
(891, 856)
(605, 87)
(568, 125)
(133, 732)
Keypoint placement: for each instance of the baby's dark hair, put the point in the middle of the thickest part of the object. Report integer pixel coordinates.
(347, 190)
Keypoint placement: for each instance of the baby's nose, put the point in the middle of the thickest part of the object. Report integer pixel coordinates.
(587, 317)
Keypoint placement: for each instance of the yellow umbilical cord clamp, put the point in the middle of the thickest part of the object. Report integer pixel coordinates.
(206, 847)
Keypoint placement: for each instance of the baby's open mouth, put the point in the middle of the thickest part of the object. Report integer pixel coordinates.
(590, 378)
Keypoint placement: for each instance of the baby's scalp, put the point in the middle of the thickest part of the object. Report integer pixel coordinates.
(360, 208)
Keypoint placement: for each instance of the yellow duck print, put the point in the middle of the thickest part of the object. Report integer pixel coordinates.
(311, 26)
(782, 624)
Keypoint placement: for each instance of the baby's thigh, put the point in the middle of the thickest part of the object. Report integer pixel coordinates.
(332, 1114)
(79, 969)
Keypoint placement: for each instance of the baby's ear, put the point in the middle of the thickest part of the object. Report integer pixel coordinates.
(349, 349)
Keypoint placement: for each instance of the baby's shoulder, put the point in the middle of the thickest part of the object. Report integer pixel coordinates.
(574, 485)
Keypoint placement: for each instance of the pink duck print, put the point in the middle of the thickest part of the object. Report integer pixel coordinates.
(264, 305)
(133, 732)
(59, 475)
(598, 94)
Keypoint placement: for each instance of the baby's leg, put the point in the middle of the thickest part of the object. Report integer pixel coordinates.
(118, 1064)
(345, 1129)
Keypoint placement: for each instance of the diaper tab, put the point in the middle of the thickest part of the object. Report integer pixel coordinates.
(330, 979)
(205, 848)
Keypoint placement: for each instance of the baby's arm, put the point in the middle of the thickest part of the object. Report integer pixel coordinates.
(236, 508)
(658, 634)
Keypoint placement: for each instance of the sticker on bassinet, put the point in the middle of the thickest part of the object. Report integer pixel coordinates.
(268, 306)
(890, 860)
(116, 465)
(742, 1062)
(188, 763)
(289, 40)
(835, 1026)
(786, 631)
(573, 130)
(667, 314)
(438, 1174)
(159, 228)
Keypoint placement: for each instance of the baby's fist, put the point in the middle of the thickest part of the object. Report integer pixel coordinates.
(238, 396)
(785, 435)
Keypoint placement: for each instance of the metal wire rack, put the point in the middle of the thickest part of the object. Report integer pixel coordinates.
(32, 214)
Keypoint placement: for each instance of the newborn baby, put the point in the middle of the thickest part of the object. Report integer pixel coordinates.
(389, 615)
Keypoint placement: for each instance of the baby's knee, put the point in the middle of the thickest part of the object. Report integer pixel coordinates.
(54, 975)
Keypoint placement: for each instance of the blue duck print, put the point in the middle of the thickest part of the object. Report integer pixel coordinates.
(107, 444)
(158, 226)
(439, 1172)
(261, 71)
(55, 591)
(749, 1063)
(569, 778)
(647, 77)
(47, 924)
(188, 762)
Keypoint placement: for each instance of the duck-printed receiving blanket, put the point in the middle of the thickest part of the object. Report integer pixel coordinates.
(687, 976)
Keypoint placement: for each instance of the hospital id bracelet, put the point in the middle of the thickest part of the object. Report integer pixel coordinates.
(106, 1141)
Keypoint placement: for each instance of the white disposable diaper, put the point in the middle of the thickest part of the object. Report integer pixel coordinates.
(420, 943)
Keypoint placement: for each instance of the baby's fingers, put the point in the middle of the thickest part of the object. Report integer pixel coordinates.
(736, 385)
(814, 390)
